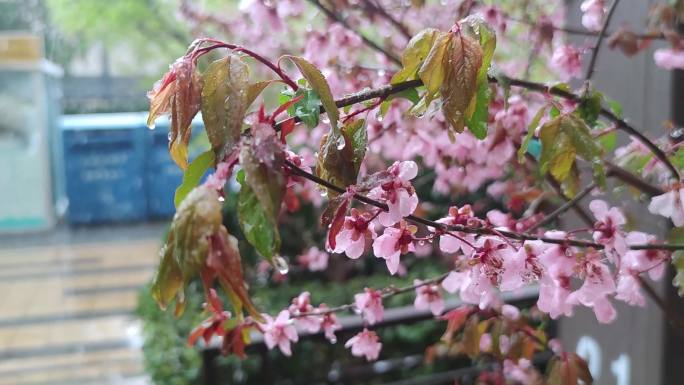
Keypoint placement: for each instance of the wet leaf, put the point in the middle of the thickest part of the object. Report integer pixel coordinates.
(262, 157)
(485, 35)
(255, 89)
(260, 229)
(562, 139)
(462, 62)
(337, 221)
(193, 174)
(433, 72)
(225, 262)
(472, 334)
(318, 83)
(308, 108)
(340, 156)
(198, 217)
(414, 54)
(589, 107)
(177, 93)
(225, 102)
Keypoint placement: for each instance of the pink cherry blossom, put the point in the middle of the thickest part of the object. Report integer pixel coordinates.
(486, 342)
(567, 59)
(398, 193)
(593, 13)
(428, 297)
(598, 285)
(366, 343)
(522, 267)
(559, 264)
(314, 259)
(454, 241)
(352, 238)
(302, 304)
(330, 323)
(628, 290)
(522, 372)
(279, 331)
(607, 229)
(640, 261)
(669, 58)
(370, 304)
(394, 242)
(669, 205)
(510, 312)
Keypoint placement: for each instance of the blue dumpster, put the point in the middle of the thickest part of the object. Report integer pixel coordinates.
(162, 175)
(104, 158)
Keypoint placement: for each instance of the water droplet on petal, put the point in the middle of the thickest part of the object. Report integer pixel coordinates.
(281, 265)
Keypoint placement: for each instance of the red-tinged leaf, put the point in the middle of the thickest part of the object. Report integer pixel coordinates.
(338, 221)
(582, 369)
(340, 155)
(234, 341)
(286, 128)
(178, 93)
(455, 320)
(224, 259)
(224, 103)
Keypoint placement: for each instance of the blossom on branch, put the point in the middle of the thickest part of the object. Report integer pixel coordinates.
(398, 193)
(369, 303)
(428, 297)
(365, 344)
(394, 242)
(279, 332)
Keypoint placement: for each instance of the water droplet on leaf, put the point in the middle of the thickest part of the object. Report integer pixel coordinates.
(281, 265)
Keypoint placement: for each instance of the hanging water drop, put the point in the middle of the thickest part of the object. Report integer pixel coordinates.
(281, 265)
(151, 126)
(341, 143)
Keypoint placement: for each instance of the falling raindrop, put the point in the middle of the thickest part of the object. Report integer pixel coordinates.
(281, 264)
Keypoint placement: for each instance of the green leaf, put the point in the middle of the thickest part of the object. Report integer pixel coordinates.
(192, 175)
(563, 138)
(530, 133)
(478, 29)
(318, 83)
(308, 109)
(678, 158)
(614, 106)
(410, 94)
(259, 228)
(414, 54)
(224, 102)
(589, 107)
(340, 156)
(262, 157)
(198, 217)
(608, 141)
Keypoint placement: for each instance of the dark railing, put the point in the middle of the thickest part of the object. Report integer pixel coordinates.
(353, 323)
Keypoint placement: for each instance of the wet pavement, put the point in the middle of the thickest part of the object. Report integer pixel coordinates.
(68, 301)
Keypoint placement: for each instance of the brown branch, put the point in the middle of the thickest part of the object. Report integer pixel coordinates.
(673, 317)
(585, 32)
(386, 293)
(474, 230)
(565, 207)
(337, 18)
(599, 40)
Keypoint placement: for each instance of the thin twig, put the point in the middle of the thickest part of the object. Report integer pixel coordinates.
(386, 293)
(565, 207)
(474, 230)
(599, 40)
(337, 18)
(585, 32)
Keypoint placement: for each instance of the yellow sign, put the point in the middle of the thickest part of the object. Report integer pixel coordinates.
(20, 47)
